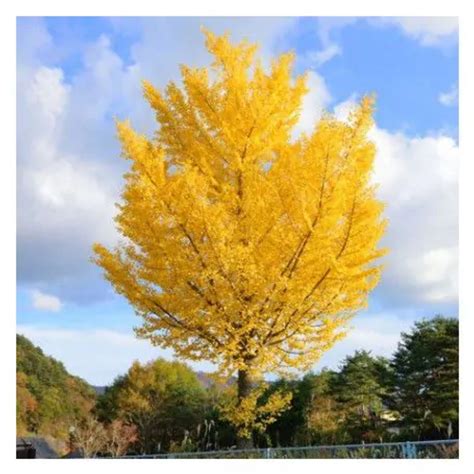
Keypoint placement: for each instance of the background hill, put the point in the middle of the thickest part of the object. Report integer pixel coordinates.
(49, 399)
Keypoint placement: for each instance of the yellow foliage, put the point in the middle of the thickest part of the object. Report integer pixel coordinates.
(248, 414)
(244, 246)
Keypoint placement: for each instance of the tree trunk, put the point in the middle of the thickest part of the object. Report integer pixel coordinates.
(243, 390)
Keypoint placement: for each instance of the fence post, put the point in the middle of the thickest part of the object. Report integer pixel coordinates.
(413, 451)
(409, 450)
(268, 453)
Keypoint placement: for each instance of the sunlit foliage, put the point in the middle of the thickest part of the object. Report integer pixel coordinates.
(244, 245)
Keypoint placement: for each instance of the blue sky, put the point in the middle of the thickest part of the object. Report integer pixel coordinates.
(74, 75)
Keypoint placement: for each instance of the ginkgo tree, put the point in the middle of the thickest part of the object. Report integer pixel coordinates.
(245, 245)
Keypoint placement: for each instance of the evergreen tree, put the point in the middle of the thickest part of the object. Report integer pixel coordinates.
(360, 389)
(426, 379)
(323, 415)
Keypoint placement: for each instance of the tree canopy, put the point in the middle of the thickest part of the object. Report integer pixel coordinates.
(426, 378)
(162, 399)
(244, 245)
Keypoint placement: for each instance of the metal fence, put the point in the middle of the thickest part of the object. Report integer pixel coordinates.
(439, 449)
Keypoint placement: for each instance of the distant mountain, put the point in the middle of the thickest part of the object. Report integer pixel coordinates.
(207, 380)
(99, 390)
(49, 399)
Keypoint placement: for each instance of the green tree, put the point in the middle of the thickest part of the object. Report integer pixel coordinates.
(164, 400)
(360, 389)
(310, 417)
(426, 379)
(323, 415)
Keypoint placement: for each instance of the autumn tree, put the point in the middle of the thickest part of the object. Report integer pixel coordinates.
(90, 437)
(244, 245)
(119, 436)
(162, 399)
(296, 427)
(49, 399)
(26, 405)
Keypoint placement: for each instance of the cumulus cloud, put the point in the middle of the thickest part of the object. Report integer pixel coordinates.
(69, 173)
(429, 31)
(64, 201)
(418, 182)
(45, 302)
(450, 97)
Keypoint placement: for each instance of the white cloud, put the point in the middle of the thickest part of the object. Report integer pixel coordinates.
(314, 103)
(429, 31)
(378, 333)
(49, 93)
(69, 171)
(65, 201)
(343, 109)
(419, 183)
(324, 27)
(45, 302)
(322, 56)
(96, 355)
(449, 98)
(439, 277)
(418, 179)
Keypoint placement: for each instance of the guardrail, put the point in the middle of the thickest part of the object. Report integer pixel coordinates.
(439, 449)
